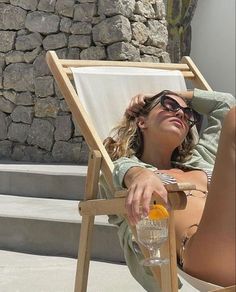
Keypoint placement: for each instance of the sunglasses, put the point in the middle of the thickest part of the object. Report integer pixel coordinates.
(171, 105)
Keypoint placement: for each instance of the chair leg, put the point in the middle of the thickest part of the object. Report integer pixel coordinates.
(169, 280)
(86, 233)
(87, 225)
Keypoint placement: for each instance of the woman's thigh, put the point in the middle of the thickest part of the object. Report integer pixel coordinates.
(210, 253)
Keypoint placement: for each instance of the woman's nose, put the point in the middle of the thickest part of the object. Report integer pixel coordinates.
(180, 114)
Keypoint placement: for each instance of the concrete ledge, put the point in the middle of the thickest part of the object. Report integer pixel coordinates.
(43, 180)
(52, 227)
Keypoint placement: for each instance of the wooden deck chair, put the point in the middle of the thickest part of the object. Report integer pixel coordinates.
(100, 161)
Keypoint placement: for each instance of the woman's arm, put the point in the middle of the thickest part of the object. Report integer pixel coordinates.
(214, 105)
(141, 182)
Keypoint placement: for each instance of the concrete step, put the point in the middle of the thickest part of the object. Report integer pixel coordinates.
(26, 273)
(52, 227)
(43, 180)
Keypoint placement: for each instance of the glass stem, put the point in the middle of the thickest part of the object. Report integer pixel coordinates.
(153, 252)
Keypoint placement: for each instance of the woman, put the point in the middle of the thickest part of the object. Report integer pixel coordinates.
(154, 145)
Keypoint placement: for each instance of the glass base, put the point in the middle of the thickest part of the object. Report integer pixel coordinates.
(154, 262)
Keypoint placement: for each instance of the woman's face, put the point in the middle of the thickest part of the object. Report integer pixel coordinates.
(162, 124)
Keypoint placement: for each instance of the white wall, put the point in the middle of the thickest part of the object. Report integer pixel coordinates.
(213, 43)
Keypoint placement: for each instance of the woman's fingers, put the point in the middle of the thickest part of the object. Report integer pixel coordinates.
(140, 193)
(136, 103)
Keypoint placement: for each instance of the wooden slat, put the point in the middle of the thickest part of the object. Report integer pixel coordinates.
(199, 81)
(91, 190)
(178, 201)
(86, 230)
(80, 115)
(88, 63)
(186, 74)
(172, 253)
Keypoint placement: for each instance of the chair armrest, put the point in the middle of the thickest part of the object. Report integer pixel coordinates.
(176, 196)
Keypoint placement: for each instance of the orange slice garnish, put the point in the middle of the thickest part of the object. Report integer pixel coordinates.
(158, 212)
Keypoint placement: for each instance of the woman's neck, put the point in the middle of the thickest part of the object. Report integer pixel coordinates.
(160, 158)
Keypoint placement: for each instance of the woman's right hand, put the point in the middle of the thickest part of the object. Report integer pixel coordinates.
(142, 184)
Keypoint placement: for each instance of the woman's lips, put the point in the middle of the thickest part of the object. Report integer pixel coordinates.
(178, 122)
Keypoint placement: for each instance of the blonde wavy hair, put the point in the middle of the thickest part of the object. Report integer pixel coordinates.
(126, 138)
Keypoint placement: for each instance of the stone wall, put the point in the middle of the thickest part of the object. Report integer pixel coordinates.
(35, 122)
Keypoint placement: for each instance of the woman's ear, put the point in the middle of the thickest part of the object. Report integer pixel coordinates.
(141, 122)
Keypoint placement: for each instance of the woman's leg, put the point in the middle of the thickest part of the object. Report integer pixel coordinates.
(210, 253)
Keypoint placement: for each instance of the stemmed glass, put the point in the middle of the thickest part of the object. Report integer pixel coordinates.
(152, 233)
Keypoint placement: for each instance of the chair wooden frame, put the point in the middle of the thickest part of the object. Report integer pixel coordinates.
(99, 160)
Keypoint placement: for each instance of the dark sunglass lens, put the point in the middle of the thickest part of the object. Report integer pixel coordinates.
(170, 104)
(189, 114)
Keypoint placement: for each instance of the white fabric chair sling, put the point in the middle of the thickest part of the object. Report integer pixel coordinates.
(104, 89)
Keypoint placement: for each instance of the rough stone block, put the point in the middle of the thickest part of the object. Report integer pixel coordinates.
(63, 106)
(6, 106)
(18, 152)
(66, 152)
(85, 12)
(84, 154)
(5, 149)
(81, 28)
(24, 98)
(145, 8)
(63, 130)
(65, 7)
(93, 53)
(23, 114)
(65, 24)
(140, 32)
(47, 107)
(111, 30)
(26, 4)
(87, 1)
(7, 40)
(111, 8)
(18, 132)
(19, 76)
(62, 53)
(77, 132)
(33, 153)
(29, 57)
(14, 57)
(165, 57)
(41, 134)
(73, 53)
(8, 19)
(28, 42)
(42, 22)
(148, 58)
(2, 60)
(158, 34)
(123, 51)
(81, 41)
(3, 127)
(160, 9)
(46, 5)
(40, 66)
(10, 95)
(55, 41)
(138, 18)
(150, 50)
